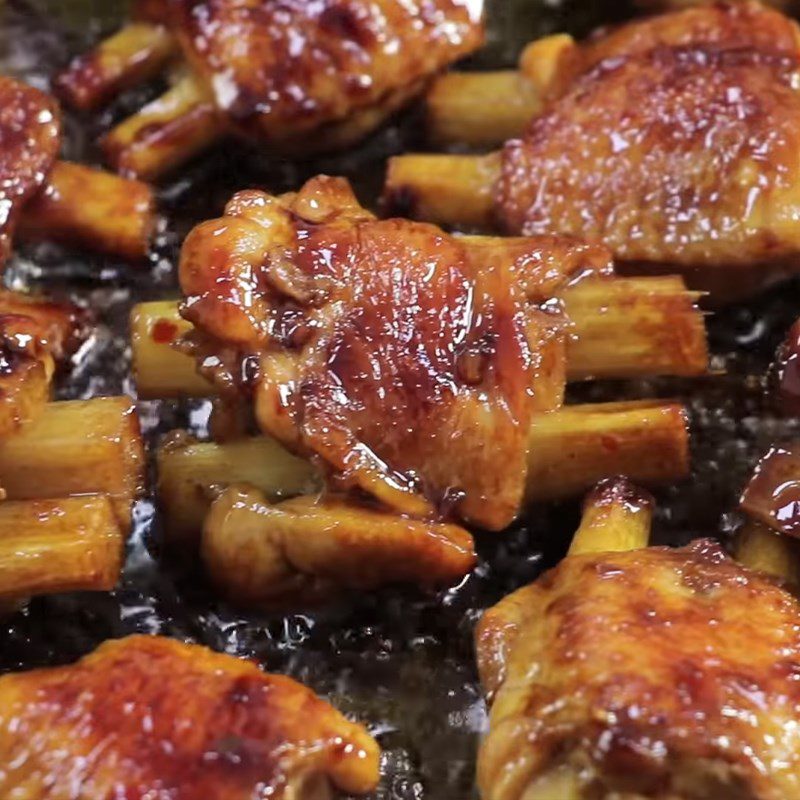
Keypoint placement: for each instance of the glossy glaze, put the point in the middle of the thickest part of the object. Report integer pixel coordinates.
(29, 140)
(773, 493)
(391, 350)
(279, 71)
(144, 718)
(785, 373)
(653, 673)
(686, 156)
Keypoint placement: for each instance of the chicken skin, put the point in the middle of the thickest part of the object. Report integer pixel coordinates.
(673, 141)
(653, 673)
(716, 25)
(35, 334)
(684, 156)
(43, 198)
(30, 130)
(388, 350)
(144, 718)
(297, 76)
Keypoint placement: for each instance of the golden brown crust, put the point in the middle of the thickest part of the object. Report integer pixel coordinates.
(30, 131)
(656, 672)
(389, 349)
(306, 549)
(685, 155)
(281, 70)
(144, 717)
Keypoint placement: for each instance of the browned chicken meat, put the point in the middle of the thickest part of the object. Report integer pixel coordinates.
(672, 140)
(144, 718)
(392, 352)
(35, 334)
(29, 143)
(649, 673)
(44, 198)
(299, 76)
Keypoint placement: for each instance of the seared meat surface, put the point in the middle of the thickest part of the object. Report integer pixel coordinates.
(30, 130)
(389, 350)
(679, 145)
(298, 76)
(279, 71)
(653, 673)
(147, 717)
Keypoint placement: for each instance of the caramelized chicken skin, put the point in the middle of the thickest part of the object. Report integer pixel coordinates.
(653, 673)
(715, 25)
(684, 156)
(298, 76)
(309, 548)
(279, 71)
(148, 717)
(30, 130)
(387, 349)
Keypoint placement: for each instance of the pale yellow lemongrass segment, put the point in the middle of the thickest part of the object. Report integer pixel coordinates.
(574, 448)
(617, 517)
(58, 545)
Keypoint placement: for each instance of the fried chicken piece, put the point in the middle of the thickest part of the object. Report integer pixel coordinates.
(389, 350)
(679, 156)
(35, 334)
(149, 717)
(301, 77)
(30, 131)
(672, 140)
(308, 548)
(47, 199)
(654, 673)
(555, 62)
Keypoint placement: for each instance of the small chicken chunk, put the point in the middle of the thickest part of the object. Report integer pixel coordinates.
(391, 351)
(30, 130)
(652, 673)
(34, 335)
(147, 717)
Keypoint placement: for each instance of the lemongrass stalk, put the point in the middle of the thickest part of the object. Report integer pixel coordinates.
(574, 448)
(159, 370)
(616, 517)
(166, 133)
(77, 447)
(455, 190)
(94, 210)
(131, 56)
(58, 545)
(480, 109)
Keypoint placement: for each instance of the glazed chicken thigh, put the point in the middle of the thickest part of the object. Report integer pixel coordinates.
(673, 141)
(145, 718)
(389, 350)
(645, 673)
(298, 76)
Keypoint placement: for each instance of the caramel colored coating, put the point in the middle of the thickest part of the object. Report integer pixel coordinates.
(717, 25)
(306, 549)
(279, 71)
(149, 717)
(389, 349)
(654, 673)
(689, 156)
(30, 130)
